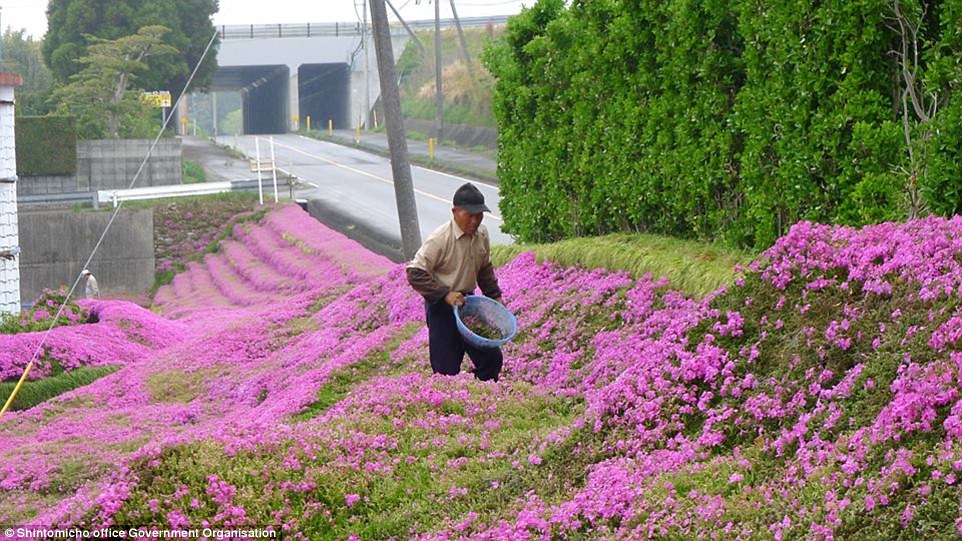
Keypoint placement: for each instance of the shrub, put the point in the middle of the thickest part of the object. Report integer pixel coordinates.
(193, 172)
(32, 393)
(725, 120)
(40, 316)
(46, 145)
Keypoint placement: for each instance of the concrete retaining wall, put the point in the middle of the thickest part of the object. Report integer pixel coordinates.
(56, 243)
(365, 235)
(112, 164)
(46, 184)
(462, 134)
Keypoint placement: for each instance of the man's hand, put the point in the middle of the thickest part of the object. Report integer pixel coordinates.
(454, 298)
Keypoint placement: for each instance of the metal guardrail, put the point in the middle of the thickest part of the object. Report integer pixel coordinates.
(310, 30)
(113, 197)
(66, 197)
(157, 192)
(251, 184)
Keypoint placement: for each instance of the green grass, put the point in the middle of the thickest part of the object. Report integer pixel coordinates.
(163, 278)
(193, 173)
(228, 230)
(694, 267)
(178, 386)
(467, 101)
(343, 380)
(36, 392)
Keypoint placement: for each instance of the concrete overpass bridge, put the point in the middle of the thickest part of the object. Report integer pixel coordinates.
(286, 73)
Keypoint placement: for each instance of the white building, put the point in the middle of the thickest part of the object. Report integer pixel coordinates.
(9, 238)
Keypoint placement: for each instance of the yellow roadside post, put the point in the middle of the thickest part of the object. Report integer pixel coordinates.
(431, 148)
(308, 122)
(330, 126)
(357, 135)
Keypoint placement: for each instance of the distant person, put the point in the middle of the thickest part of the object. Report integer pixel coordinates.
(92, 289)
(452, 261)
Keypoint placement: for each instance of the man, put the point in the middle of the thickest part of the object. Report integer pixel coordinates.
(452, 261)
(92, 290)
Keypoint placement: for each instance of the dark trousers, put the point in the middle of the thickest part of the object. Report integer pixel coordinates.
(448, 347)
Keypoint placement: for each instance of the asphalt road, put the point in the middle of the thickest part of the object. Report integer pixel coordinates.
(359, 185)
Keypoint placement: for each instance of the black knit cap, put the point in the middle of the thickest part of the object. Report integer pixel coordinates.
(470, 198)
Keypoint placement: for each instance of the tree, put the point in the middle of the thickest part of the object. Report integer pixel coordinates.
(929, 75)
(103, 83)
(71, 22)
(22, 55)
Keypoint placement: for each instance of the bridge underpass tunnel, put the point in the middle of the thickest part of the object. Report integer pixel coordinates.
(264, 95)
(324, 93)
(264, 102)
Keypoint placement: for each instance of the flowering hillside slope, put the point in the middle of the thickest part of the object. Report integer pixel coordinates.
(818, 397)
(124, 333)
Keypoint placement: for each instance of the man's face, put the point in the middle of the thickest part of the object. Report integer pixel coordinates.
(466, 221)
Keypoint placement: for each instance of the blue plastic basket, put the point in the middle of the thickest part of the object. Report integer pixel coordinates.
(493, 314)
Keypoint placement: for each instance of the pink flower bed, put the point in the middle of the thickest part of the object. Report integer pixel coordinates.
(124, 333)
(219, 349)
(816, 397)
(836, 469)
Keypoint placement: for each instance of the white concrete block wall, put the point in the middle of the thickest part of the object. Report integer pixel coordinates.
(9, 238)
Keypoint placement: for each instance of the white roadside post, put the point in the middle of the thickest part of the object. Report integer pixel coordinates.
(273, 169)
(257, 153)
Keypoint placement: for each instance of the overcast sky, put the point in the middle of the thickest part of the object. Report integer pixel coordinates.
(31, 14)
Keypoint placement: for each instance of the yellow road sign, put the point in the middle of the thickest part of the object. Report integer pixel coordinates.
(157, 98)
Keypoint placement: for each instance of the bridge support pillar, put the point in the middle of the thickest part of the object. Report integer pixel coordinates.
(293, 101)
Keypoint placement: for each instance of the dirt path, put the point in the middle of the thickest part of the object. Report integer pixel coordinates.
(219, 164)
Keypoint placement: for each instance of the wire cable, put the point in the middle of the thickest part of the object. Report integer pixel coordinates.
(103, 235)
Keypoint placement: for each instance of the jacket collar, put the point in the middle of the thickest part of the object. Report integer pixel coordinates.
(458, 232)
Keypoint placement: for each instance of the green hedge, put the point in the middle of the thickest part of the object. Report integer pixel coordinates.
(46, 145)
(39, 391)
(718, 119)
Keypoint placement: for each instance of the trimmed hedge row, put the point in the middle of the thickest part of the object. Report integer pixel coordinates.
(720, 119)
(46, 145)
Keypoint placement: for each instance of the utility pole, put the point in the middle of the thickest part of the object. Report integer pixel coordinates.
(367, 71)
(400, 165)
(213, 106)
(439, 95)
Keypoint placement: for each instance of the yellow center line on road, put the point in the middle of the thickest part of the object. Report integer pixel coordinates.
(370, 175)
